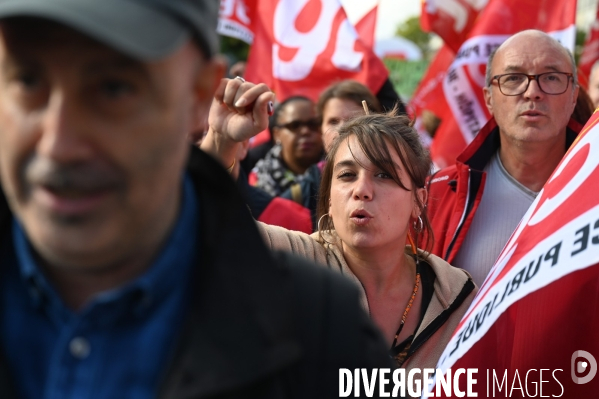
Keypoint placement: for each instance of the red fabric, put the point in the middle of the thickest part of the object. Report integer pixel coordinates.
(429, 95)
(451, 20)
(366, 27)
(590, 53)
(539, 305)
(302, 46)
(446, 205)
(253, 178)
(286, 213)
(448, 142)
(260, 138)
(235, 19)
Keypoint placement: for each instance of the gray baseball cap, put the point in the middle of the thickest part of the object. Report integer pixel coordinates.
(143, 29)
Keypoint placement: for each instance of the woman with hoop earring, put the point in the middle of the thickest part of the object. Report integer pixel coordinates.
(371, 205)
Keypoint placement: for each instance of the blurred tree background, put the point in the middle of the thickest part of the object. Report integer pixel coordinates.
(410, 29)
(234, 49)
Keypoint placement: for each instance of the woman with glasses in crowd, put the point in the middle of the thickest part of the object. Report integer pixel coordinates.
(371, 204)
(298, 145)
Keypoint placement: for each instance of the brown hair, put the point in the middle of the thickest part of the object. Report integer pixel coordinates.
(348, 90)
(376, 134)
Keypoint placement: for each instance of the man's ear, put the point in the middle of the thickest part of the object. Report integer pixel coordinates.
(488, 99)
(576, 90)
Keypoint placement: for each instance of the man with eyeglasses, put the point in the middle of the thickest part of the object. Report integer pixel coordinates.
(475, 205)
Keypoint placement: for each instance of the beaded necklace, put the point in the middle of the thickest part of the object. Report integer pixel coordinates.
(407, 309)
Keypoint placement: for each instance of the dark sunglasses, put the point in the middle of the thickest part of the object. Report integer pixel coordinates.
(295, 126)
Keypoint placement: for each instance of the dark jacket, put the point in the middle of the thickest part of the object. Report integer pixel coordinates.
(260, 325)
(454, 192)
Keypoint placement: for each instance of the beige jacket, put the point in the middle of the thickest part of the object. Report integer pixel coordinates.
(453, 290)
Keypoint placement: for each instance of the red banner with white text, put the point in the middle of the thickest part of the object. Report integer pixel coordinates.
(532, 329)
(302, 46)
(498, 20)
(235, 19)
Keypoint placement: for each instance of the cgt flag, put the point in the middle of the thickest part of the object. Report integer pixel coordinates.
(302, 46)
(500, 19)
(532, 329)
(235, 18)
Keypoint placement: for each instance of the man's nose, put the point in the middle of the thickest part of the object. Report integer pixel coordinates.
(533, 90)
(61, 126)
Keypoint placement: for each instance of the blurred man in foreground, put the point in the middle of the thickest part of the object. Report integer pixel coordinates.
(130, 269)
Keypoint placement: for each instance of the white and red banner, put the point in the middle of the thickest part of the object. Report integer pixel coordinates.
(532, 329)
(499, 20)
(235, 19)
(452, 20)
(302, 46)
(590, 53)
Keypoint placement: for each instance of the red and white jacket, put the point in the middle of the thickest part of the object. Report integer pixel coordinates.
(454, 192)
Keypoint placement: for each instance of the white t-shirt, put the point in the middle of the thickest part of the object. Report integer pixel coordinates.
(504, 202)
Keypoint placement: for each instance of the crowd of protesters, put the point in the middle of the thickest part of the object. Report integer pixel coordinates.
(136, 265)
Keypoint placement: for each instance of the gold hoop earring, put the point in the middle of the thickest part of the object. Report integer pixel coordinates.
(420, 227)
(320, 229)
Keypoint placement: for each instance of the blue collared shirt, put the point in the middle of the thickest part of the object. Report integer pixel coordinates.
(118, 346)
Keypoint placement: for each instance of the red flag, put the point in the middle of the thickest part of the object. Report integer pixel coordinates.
(590, 53)
(366, 27)
(429, 96)
(538, 308)
(235, 19)
(450, 19)
(302, 46)
(429, 93)
(499, 20)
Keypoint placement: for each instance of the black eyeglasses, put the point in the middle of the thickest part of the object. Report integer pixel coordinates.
(514, 84)
(295, 126)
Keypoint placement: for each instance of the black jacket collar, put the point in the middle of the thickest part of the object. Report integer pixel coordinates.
(239, 327)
